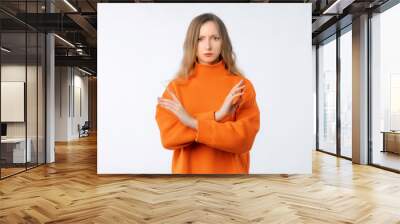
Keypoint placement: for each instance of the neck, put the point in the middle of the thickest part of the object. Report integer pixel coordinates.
(211, 63)
(217, 68)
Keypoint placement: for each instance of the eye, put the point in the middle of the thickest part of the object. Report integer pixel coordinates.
(216, 38)
(201, 38)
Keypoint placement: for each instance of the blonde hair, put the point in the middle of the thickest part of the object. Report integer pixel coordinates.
(191, 42)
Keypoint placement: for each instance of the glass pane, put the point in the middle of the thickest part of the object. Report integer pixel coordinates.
(346, 93)
(22, 89)
(41, 98)
(386, 89)
(31, 85)
(327, 96)
(31, 101)
(13, 86)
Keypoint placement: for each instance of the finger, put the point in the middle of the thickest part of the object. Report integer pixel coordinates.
(172, 104)
(169, 104)
(173, 96)
(168, 101)
(169, 108)
(239, 88)
(239, 83)
(234, 107)
(236, 86)
(236, 98)
(237, 94)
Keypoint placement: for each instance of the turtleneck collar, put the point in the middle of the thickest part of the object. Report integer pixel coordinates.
(213, 69)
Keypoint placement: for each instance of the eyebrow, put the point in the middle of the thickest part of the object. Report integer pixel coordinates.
(216, 35)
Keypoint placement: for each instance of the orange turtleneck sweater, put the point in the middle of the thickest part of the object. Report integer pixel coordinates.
(216, 147)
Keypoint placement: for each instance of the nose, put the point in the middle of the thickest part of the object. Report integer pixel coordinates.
(208, 45)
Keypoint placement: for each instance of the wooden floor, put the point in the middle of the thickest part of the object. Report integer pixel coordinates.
(70, 191)
(8, 171)
(5, 172)
(387, 159)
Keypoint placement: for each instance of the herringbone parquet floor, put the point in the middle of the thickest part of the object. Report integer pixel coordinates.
(70, 191)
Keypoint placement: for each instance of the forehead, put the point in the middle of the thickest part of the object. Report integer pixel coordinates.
(209, 28)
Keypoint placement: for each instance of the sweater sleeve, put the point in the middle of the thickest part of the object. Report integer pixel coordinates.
(231, 136)
(174, 134)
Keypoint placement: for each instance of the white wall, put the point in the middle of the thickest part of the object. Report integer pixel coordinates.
(61, 103)
(80, 84)
(136, 60)
(68, 81)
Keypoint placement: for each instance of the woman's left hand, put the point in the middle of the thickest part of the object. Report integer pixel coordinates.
(176, 108)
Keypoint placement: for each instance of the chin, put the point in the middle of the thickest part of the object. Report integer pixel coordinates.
(209, 61)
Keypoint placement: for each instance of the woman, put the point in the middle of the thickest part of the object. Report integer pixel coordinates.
(208, 114)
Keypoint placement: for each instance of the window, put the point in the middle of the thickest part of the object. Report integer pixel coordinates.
(22, 65)
(327, 96)
(346, 94)
(385, 88)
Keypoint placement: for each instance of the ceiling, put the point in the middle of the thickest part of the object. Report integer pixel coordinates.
(76, 22)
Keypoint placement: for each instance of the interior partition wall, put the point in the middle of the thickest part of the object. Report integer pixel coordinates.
(23, 88)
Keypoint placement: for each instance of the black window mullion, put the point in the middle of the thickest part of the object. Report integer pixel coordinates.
(369, 90)
(37, 90)
(317, 95)
(338, 92)
(26, 86)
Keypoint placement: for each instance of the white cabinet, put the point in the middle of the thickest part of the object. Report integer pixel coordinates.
(18, 149)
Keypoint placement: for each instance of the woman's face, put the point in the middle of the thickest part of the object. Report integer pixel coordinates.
(209, 43)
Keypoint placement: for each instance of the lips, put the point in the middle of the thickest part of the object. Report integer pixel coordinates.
(208, 54)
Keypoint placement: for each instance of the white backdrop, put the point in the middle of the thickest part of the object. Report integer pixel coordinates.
(139, 51)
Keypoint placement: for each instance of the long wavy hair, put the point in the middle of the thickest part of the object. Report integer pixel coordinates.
(191, 43)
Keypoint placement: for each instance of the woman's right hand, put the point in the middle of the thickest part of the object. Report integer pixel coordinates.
(230, 104)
